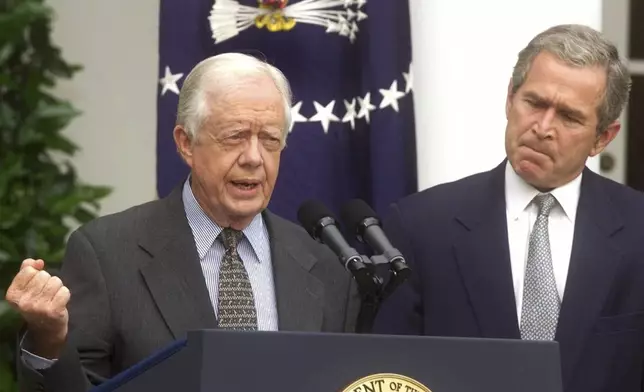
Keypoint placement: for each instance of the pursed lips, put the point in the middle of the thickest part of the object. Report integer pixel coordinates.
(536, 150)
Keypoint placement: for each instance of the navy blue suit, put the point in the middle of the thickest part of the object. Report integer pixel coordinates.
(454, 237)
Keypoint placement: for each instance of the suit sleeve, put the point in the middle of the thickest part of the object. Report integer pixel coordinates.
(85, 359)
(401, 313)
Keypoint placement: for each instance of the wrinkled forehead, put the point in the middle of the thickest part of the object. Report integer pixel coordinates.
(554, 79)
(253, 105)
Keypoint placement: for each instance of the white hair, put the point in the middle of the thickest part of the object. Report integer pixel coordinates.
(193, 104)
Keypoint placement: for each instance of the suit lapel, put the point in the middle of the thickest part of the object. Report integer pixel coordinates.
(299, 294)
(173, 274)
(483, 256)
(594, 260)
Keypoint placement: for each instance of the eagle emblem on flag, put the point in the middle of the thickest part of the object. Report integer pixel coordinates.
(228, 18)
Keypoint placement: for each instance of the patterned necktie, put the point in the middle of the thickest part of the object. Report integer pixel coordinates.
(540, 310)
(235, 304)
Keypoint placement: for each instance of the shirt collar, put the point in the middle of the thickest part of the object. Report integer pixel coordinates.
(206, 231)
(519, 194)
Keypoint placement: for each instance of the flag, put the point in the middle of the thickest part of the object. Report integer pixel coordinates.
(349, 65)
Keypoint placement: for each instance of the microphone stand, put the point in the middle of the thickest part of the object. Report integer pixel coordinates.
(372, 288)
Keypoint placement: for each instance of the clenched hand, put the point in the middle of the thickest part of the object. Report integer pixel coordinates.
(42, 301)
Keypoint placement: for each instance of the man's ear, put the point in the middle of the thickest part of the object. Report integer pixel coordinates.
(604, 138)
(183, 143)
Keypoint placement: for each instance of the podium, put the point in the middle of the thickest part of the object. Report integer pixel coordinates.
(222, 361)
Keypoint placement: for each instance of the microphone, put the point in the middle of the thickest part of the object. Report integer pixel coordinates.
(320, 223)
(361, 220)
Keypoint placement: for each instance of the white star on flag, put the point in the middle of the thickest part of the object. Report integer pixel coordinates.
(351, 113)
(296, 116)
(365, 106)
(324, 115)
(409, 80)
(390, 97)
(169, 81)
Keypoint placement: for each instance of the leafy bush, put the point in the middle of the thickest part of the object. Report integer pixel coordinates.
(41, 197)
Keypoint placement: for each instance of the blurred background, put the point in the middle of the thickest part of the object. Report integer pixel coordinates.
(391, 97)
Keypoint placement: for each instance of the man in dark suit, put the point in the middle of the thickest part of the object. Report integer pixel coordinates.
(540, 247)
(210, 255)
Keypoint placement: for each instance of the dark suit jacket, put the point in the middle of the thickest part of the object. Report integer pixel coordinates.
(136, 285)
(454, 236)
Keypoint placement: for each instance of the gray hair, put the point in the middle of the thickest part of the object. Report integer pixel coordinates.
(193, 104)
(581, 46)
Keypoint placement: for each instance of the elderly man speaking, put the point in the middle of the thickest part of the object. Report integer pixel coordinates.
(135, 281)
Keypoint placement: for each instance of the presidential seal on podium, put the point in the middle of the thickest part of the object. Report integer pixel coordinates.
(386, 382)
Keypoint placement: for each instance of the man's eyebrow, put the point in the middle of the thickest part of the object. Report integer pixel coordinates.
(561, 108)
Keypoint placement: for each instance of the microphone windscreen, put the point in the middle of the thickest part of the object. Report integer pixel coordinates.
(354, 212)
(310, 213)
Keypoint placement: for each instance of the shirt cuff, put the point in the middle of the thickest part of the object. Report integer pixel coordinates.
(33, 360)
(36, 362)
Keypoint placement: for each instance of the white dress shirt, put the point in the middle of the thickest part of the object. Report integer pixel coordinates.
(521, 215)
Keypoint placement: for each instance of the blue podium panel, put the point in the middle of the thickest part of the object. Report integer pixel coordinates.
(217, 360)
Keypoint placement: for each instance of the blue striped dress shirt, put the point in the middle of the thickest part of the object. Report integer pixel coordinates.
(254, 249)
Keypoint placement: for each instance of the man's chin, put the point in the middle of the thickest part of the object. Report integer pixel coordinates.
(531, 173)
(246, 208)
(527, 167)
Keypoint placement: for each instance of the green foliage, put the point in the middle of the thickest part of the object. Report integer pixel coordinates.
(41, 197)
